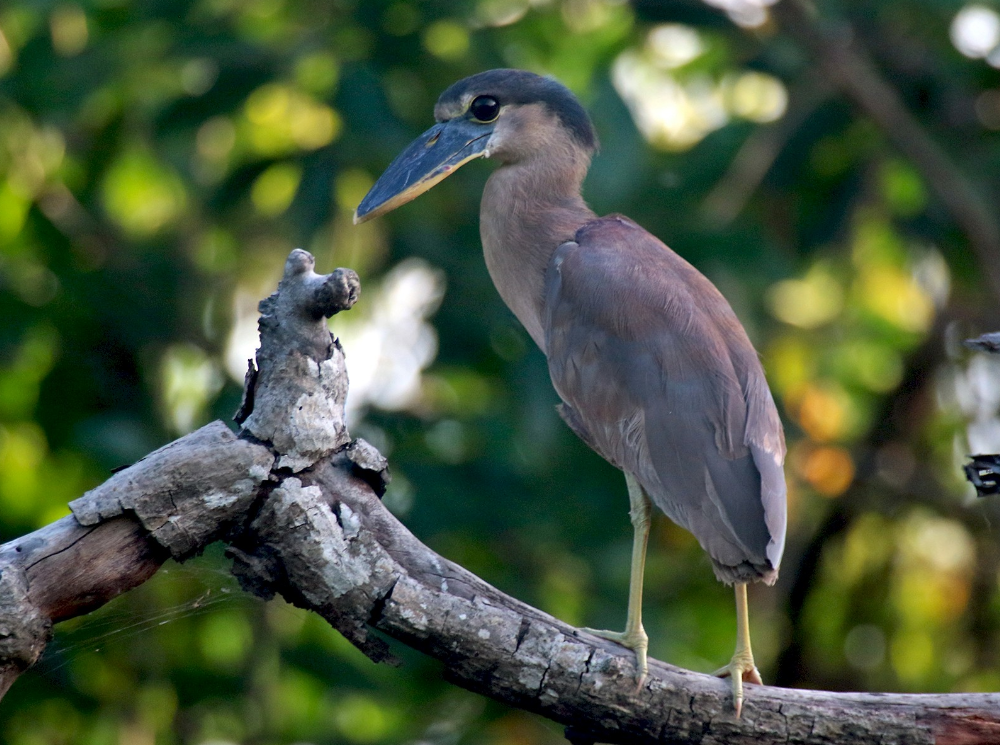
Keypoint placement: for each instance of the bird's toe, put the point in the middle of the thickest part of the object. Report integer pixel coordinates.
(740, 669)
(634, 639)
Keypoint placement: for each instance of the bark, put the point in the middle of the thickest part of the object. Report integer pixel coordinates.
(307, 522)
(330, 546)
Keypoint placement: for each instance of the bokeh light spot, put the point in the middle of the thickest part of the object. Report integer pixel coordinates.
(447, 40)
(13, 211)
(199, 75)
(829, 470)
(903, 188)
(447, 439)
(31, 280)
(745, 13)
(317, 73)
(894, 295)
(361, 719)
(283, 119)
(875, 366)
(585, 16)
(941, 544)
(671, 115)
(389, 342)
(912, 655)
(501, 12)
(790, 364)
(350, 188)
(975, 31)
(68, 26)
(758, 97)
(6, 53)
(867, 548)
(142, 195)
(189, 379)
(23, 448)
(274, 190)
(823, 411)
(674, 45)
(225, 638)
(216, 138)
(812, 301)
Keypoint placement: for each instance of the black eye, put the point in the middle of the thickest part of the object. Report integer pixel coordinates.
(485, 108)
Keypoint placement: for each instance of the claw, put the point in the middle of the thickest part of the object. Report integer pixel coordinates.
(741, 668)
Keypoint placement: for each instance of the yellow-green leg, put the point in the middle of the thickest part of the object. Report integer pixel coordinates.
(634, 636)
(741, 667)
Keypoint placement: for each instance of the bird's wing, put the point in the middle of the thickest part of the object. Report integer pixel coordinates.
(659, 377)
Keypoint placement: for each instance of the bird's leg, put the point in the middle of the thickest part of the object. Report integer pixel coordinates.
(634, 636)
(741, 667)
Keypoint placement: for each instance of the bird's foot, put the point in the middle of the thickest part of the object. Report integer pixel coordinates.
(634, 639)
(741, 668)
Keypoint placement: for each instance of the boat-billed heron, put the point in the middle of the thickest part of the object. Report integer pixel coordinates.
(654, 369)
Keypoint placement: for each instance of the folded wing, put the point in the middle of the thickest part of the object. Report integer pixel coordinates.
(658, 376)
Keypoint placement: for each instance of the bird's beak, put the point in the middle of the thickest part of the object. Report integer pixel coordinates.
(432, 157)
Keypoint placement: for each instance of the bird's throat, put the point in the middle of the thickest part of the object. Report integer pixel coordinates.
(527, 212)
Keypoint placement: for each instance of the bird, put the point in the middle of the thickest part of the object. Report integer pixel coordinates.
(654, 370)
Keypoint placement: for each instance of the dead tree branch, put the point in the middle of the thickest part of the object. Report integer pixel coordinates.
(305, 520)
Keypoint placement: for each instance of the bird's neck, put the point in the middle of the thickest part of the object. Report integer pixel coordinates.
(528, 211)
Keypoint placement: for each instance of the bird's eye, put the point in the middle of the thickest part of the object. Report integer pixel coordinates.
(485, 108)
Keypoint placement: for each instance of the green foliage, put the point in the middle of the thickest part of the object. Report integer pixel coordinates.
(158, 160)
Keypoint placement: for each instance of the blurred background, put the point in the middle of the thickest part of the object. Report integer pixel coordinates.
(159, 159)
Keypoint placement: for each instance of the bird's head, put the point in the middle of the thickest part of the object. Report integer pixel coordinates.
(509, 115)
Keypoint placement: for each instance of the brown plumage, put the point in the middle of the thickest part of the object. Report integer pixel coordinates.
(658, 376)
(654, 369)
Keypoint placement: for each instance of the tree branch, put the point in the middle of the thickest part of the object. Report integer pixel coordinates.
(312, 528)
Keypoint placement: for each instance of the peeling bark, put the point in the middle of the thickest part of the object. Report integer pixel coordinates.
(187, 493)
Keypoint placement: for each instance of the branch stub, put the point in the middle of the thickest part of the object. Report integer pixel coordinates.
(296, 400)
